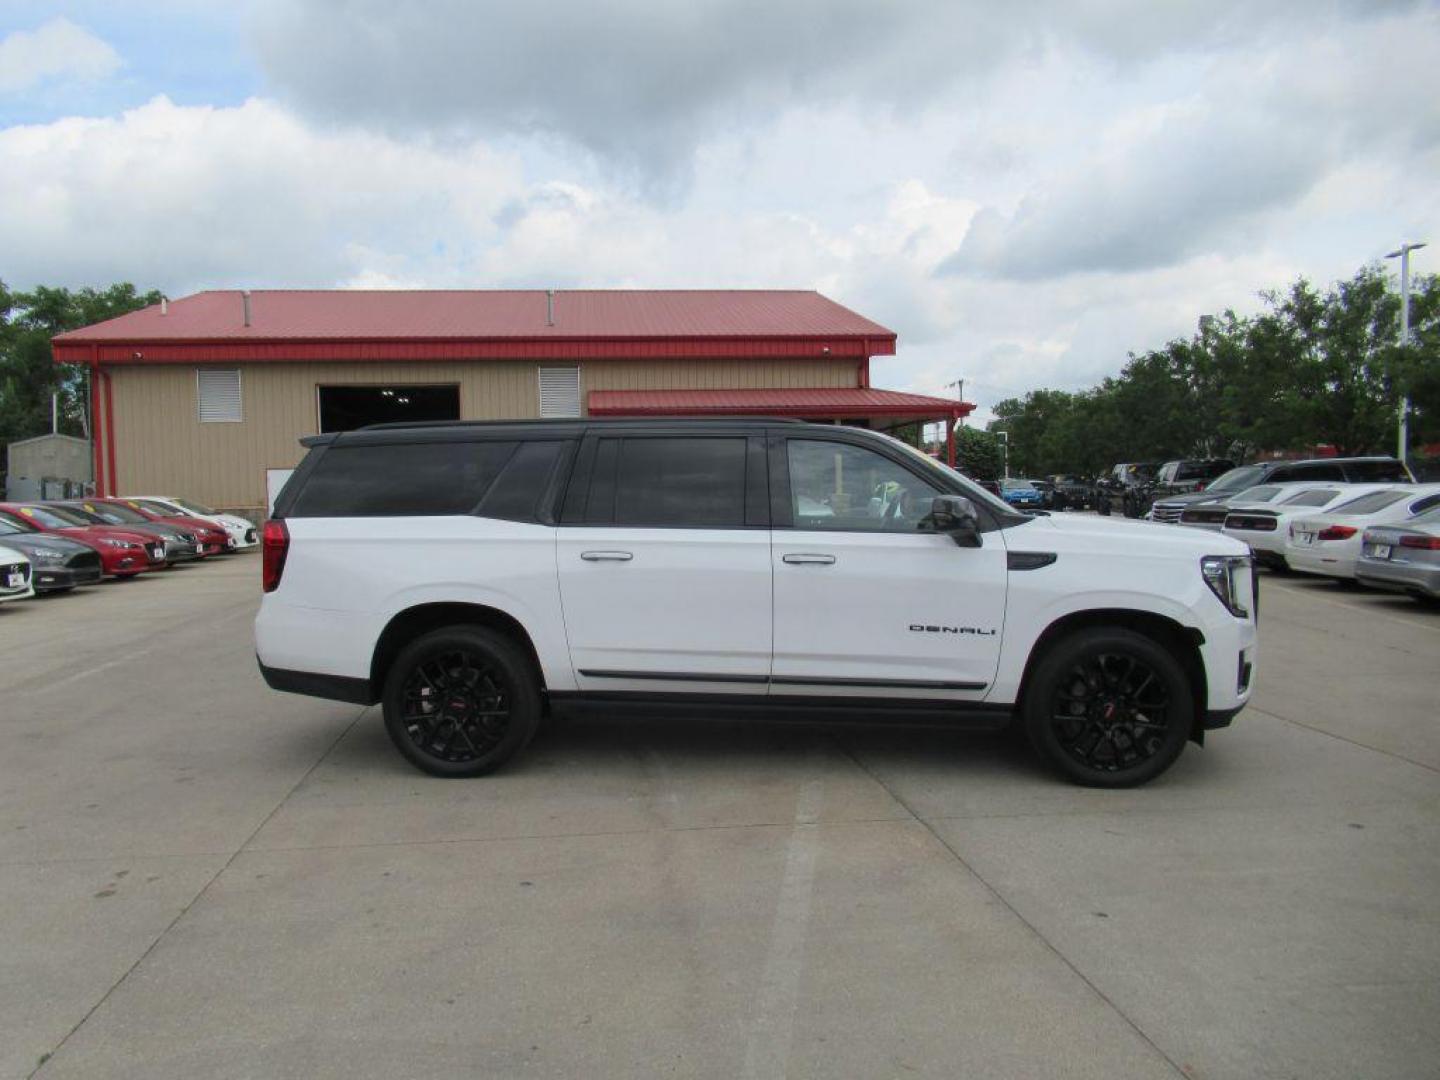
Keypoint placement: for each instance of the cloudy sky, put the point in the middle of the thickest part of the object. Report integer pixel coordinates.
(1024, 192)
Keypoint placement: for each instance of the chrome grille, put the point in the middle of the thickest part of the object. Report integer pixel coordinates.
(1167, 512)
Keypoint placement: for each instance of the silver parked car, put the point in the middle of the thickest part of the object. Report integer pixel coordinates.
(1404, 557)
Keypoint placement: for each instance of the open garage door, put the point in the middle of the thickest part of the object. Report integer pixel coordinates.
(344, 408)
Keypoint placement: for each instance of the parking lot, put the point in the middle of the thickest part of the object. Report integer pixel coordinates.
(205, 878)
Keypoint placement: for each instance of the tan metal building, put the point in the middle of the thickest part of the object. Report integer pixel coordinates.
(200, 397)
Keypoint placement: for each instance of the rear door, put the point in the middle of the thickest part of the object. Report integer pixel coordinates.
(866, 604)
(664, 562)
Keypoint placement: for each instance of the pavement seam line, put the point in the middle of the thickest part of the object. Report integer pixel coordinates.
(993, 891)
(1344, 739)
(199, 895)
(1387, 616)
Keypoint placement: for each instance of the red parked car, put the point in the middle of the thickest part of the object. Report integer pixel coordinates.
(123, 554)
(213, 539)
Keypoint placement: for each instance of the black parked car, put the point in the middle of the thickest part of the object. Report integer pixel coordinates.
(57, 562)
(1069, 492)
(1187, 477)
(1125, 489)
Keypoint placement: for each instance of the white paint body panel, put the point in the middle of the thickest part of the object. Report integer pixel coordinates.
(850, 621)
(13, 557)
(1336, 558)
(236, 527)
(684, 601)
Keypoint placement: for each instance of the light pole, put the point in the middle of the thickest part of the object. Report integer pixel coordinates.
(1403, 254)
(1006, 436)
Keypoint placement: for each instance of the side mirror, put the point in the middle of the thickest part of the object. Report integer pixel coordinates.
(956, 516)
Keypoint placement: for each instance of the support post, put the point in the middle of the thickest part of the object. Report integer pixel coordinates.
(950, 441)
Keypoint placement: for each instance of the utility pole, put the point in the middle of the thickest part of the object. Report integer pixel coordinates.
(1403, 254)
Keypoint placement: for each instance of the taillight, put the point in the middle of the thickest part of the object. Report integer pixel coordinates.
(274, 543)
(1424, 543)
(1335, 532)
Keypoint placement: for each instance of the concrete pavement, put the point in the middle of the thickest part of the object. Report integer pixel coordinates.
(200, 877)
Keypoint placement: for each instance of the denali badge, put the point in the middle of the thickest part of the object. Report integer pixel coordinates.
(919, 629)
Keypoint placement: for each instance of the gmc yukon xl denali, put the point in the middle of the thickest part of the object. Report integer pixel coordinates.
(471, 576)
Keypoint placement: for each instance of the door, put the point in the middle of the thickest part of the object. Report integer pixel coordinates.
(865, 603)
(664, 564)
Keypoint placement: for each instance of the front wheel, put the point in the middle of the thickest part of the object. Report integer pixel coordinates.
(461, 701)
(1108, 707)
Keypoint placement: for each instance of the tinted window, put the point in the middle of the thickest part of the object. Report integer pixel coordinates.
(1377, 472)
(838, 486)
(423, 479)
(1368, 504)
(20, 524)
(1318, 472)
(1259, 493)
(1318, 497)
(516, 493)
(1238, 479)
(695, 483)
(1429, 517)
(115, 514)
(53, 517)
(1421, 505)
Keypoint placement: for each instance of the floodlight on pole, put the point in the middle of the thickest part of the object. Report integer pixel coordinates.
(1403, 254)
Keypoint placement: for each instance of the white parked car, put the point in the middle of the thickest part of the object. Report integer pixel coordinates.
(1211, 515)
(16, 576)
(1328, 544)
(241, 530)
(1265, 526)
(472, 575)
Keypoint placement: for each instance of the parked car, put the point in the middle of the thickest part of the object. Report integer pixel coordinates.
(57, 563)
(15, 583)
(1356, 470)
(1404, 557)
(241, 530)
(1328, 544)
(1265, 527)
(1070, 492)
(470, 575)
(1212, 515)
(1022, 494)
(1125, 489)
(123, 554)
(1188, 477)
(180, 545)
(209, 539)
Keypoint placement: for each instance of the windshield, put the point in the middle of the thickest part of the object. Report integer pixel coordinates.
(19, 524)
(1314, 497)
(973, 490)
(1237, 479)
(55, 517)
(1259, 493)
(1016, 485)
(10, 528)
(1369, 504)
(116, 514)
(194, 507)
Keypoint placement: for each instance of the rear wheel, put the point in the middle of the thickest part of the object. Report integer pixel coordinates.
(461, 701)
(1109, 707)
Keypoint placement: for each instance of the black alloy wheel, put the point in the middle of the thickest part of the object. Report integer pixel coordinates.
(461, 701)
(1109, 707)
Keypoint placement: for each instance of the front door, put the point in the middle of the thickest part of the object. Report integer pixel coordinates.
(867, 605)
(664, 564)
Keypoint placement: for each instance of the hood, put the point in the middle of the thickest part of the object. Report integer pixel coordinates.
(1127, 535)
(53, 541)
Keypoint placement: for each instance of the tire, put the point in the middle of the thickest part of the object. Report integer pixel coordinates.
(1103, 672)
(492, 705)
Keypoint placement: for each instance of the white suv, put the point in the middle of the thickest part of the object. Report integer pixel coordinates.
(471, 576)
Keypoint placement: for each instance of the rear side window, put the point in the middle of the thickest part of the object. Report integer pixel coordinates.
(664, 482)
(515, 495)
(1369, 504)
(419, 479)
(1377, 472)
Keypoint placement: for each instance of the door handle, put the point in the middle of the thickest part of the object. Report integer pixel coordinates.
(808, 560)
(606, 556)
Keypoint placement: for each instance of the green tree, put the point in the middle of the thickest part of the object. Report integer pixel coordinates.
(977, 453)
(29, 375)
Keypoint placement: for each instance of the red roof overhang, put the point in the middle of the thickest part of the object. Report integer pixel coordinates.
(421, 349)
(837, 403)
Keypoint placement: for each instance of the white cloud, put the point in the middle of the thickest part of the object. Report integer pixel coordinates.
(57, 50)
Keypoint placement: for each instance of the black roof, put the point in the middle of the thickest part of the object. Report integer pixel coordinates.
(440, 430)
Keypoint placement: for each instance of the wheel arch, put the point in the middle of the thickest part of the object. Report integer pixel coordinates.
(405, 626)
(1182, 641)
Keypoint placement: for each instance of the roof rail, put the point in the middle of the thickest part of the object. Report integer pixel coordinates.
(645, 421)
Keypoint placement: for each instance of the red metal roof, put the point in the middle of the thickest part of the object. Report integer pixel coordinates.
(838, 402)
(513, 323)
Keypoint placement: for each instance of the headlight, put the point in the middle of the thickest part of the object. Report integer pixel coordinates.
(46, 554)
(1230, 578)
